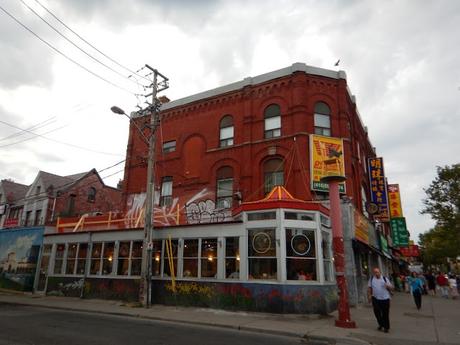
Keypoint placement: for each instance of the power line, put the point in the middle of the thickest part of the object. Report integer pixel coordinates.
(62, 54)
(36, 126)
(88, 43)
(75, 45)
(60, 142)
(30, 138)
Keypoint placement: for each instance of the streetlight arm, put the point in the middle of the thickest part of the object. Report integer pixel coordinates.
(119, 111)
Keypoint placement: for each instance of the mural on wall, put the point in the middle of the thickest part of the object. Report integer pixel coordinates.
(198, 208)
(19, 250)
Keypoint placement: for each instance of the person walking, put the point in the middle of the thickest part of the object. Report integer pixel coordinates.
(431, 282)
(443, 284)
(453, 286)
(378, 292)
(416, 288)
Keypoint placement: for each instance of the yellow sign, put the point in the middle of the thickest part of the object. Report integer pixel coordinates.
(361, 227)
(326, 160)
(394, 200)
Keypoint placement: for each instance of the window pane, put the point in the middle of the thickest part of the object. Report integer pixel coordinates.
(272, 110)
(261, 216)
(96, 252)
(272, 123)
(322, 121)
(225, 187)
(156, 258)
(72, 251)
(299, 216)
(169, 146)
(191, 248)
(300, 243)
(209, 247)
(81, 266)
(209, 267)
(326, 245)
(328, 271)
(226, 132)
(136, 265)
(166, 187)
(322, 108)
(232, 258)
(261, 243)
(123, 266)
(232, 245)
(301, 269)
(108, 258)
(190, 268)
(262, 268)
(59, 258)
(137, 249)
(70, 266)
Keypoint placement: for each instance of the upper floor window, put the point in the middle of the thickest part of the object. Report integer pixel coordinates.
(224, 185)
(92, 194)
(166, 191)
(272, 116)
(226, 131)
(37, 190)
(273, 174)
(322, 119)
(169, 146)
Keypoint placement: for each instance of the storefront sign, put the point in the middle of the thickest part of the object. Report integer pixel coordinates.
(412, 251)
(399, 232)
(11, 223)
(326, 160)
(394, 200)
(378, 188)
(361, 228)
(384, 244)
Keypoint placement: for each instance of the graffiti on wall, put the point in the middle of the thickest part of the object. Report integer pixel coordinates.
(198, 208)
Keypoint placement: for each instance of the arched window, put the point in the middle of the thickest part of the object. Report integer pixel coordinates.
(92, 194)
(272, 116)
(224, 186)
(322, 119)
(226, 131)
(166, 191)
(273, 174)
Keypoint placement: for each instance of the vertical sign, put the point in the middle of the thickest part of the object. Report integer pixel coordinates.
(399, 232)
(326, 155)
(394, 201)
(378, 188)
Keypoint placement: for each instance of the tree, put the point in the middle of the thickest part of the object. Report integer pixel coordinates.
(443, 204)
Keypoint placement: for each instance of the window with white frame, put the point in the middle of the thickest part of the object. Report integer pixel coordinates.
(209, 258)
(169, 146)
(232, 257)
(322, 119)
(301, 254)
(81, 258)
(124, 249)
(96, 256)
(166, 260)
(272, 121)
(156, 258)
(273, 174)
(190, 258)
(262, 262)
(72, 249)
(166, 191)
(326, 246)
(107, 258)
(224, 185)
(226, 131)
(136, 258)
(59, 258)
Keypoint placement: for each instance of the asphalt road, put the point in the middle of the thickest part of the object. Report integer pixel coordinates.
(21, 325)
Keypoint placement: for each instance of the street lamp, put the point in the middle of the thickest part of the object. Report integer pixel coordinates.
(119, 111)
(344, 319)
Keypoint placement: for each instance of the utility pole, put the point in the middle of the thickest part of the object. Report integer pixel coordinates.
(159, 83)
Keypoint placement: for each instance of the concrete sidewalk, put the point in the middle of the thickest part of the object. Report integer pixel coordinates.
(438, 322)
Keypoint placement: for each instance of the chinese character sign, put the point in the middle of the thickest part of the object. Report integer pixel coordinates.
(378, 187)
(411, 251)
(326, 160)
(399, 232)
(394, 201)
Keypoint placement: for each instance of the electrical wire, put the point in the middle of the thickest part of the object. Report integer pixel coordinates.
(30, 138)
(34, 127)
(64, 55)
(59, 142)
(88, 43)
(75, 45)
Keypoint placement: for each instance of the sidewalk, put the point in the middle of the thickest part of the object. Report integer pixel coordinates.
(436, 323)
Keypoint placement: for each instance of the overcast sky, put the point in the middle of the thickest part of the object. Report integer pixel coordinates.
(401, 58)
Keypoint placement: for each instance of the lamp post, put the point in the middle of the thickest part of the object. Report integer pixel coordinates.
(344, 319)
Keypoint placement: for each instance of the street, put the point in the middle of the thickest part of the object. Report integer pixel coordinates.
(41, 326)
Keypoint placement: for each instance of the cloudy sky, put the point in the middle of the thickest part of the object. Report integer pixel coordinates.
(401, 57)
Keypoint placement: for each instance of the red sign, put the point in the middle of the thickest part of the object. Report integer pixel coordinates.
(411, 251)
(11, 223)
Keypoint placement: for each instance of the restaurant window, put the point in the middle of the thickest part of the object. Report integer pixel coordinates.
(272, 116)
(166, 191)
(322, 119)
(300, 254)
(226, 131)
(81, 258)
(136, 258)
(232, 257)
(273, 174)
(96, 255)
(71, 258)
(124, 250)
(59, 258)
(262, 254)
(92, 194)
(169, 146)
(299, 216)
(44, 264)
(166, 262)
(156, 258)
(38, 215)
(326, 247)
(209, 258)
(261, 216)
(107, 259)
(190, 258)
(224, 184)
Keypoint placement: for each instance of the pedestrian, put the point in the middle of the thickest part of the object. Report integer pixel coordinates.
(443, 284)
(453, 286)
(431, 282)
(378, 292)
(416, 288)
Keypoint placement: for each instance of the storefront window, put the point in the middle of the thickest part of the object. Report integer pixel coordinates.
(71, 258)
(59, 258)
(190, 258)
(136, 258)
(327, 256)
(300, 254)
(96, 253)
(262, 254)
(81, 260)
(166, 261)
(232, 258)
(123, 258)
(209, 257)
(107, 263)
(156, 258)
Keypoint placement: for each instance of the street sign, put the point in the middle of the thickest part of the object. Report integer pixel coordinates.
(399, 232)
(378, 188)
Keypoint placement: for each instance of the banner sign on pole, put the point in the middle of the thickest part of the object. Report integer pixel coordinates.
(399, 232)
(378, 188)
(394, 200)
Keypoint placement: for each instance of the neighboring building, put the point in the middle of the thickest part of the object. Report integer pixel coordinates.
(11, 203)
(239, 195)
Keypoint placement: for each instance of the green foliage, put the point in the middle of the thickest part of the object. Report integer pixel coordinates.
(443, 204)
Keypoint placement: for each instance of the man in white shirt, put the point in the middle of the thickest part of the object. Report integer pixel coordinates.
(378, 292)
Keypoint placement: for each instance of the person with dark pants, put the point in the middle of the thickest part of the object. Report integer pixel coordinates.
(416, 288)
(378, 292)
